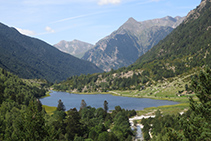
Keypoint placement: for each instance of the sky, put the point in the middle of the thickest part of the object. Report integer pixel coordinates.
(84, 20)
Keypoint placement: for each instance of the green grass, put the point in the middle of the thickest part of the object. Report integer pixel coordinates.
(167, 109)
(144, 94)
(49, 109)
(165, 90)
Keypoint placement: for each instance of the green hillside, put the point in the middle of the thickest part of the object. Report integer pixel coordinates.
(22, 116)
(187, 47)
(32, 58)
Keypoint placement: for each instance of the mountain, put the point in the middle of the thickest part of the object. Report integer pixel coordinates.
(168, 65)
(130, 41)
(32, 58)
(76, 48)
(187, 47)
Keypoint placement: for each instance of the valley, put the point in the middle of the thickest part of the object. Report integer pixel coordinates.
(159, 68)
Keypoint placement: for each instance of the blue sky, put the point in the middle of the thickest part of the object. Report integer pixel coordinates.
(85, 20)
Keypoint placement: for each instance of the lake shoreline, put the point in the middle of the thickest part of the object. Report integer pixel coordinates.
(134, 96)
(139, 112)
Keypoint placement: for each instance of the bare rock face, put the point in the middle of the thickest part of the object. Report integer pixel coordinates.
(125, 45)
(76, 48)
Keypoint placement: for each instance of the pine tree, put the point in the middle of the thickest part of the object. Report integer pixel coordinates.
(105, 105)
(34, 127)
(73, 125)
(198, 126)
(60, 106)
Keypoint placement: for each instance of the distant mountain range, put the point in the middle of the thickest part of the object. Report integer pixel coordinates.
(130, 41)
(76, 48)
(32, 58)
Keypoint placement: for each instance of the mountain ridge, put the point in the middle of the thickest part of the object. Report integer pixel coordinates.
(131, 40)
(76, 47)
(29, 57)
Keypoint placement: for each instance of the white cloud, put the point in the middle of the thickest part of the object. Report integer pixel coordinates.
(49, 30)
(26, 32)
(104, 2)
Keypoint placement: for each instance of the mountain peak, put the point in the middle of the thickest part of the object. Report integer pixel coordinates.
(76, 47)
(131, 20)
(131, 24)
(131, 40)
(170, 18)
(75, 40)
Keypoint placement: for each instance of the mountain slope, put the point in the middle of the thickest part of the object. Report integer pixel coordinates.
(76, 48)
(32, 58)
(188, 46)
(130, 41)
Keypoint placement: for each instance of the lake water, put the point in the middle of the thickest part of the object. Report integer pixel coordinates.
(97, 100)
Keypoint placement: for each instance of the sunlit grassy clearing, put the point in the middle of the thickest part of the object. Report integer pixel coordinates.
(166, 109)
(49, 109)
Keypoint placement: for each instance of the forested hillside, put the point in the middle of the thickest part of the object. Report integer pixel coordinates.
(195, 124)
(32, 58)
(22, 116)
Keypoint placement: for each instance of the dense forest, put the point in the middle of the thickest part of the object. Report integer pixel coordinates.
(103, 82)
(22, 116)
(193, 125)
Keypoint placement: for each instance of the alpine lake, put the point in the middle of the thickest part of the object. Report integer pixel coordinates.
(96, 100)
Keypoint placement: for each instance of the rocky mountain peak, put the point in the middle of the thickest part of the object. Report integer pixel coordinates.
(129, 25)
(170, 18)
(130, 41)
(194, 14)
(131, 20)
(76, 48)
